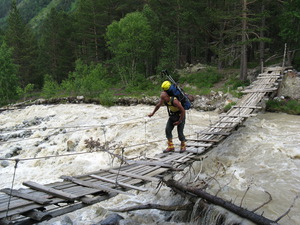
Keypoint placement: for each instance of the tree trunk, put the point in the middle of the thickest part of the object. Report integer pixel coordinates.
(242, 212)
(262, 43)
(243, 66)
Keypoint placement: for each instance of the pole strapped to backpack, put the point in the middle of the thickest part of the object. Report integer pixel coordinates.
(176, 91)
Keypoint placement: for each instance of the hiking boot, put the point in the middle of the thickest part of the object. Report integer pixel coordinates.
(182, 147)
(170, 147)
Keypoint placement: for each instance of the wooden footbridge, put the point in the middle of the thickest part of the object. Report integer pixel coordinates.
(39, 202)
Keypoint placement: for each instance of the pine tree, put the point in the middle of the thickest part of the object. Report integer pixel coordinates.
(8, 75)
(57, 46)
(21, 39)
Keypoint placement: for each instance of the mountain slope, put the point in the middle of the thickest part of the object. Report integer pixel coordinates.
(34, 11)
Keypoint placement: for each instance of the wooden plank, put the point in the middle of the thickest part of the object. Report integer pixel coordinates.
(217, 133)
(147, 163)
(92, 185)
(259, 90)
(128, 174)
(205, 140)
(49, 190)
(244, 116)
(198, 145)
(225, 127)
(118, 183)
(247, 106)
(268, 76)
(31, 197)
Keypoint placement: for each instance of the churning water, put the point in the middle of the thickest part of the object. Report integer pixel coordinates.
(264, 155)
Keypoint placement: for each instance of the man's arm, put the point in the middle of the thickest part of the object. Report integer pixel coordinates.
(158, 105)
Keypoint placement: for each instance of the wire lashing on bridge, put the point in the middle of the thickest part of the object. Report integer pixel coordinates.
(103, 127)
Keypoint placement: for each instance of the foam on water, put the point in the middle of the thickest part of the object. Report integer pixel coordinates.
(263, 155)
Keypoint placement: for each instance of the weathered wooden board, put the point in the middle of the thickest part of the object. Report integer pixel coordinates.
(128, 174)
(93, 185)
(50, 190)
(205, 140)
(197, 145)
(31, 197)
(119, 183)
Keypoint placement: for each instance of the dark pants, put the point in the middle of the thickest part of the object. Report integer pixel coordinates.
(180, 127)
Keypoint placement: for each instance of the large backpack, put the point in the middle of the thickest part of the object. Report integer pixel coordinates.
(175, 90)
(180, 95)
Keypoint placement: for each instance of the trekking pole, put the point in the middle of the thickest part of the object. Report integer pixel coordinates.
(165, 72)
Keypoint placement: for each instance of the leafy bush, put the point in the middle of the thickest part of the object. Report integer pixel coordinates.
(88, 80)
(107, 98)
(286, 106)
(51, 88)
(25, 92)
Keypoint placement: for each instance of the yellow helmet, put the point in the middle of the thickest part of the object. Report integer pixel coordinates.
(166, 85)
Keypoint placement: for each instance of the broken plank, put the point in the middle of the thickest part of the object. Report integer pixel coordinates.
(133, 175)
(31, 197)
(118, 183)
(49, 190)
(38, 215)
(92, 185)
(196, 150)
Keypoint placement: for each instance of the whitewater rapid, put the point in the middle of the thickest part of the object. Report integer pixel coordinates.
(264, 155)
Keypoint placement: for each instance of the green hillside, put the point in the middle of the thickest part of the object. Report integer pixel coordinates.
(107, 48)
(34, 11)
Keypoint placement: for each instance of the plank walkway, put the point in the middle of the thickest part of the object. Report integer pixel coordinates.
(38, 202)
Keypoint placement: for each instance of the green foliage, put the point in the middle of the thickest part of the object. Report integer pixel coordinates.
(25, 92)
(20, 38)
(51, 88)
(129, 41)
(228, 106)
(290, 23)
(8, 76)
(107, 98)
(168, 51)
(137, 39)
(286, 106)
(86, 80)
(233, 82)
(56, 46)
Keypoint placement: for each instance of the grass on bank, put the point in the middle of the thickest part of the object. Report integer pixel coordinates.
(288, 106)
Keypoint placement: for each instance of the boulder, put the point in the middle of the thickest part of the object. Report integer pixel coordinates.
(290, 87)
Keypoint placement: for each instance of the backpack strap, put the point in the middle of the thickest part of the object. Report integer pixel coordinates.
(172, 100)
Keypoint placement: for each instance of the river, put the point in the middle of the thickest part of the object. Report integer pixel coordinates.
(264, 155)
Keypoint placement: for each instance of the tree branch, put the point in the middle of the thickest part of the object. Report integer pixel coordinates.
(187, 206)
(244, 213)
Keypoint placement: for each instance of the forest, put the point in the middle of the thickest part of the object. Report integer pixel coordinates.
(104, 48)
